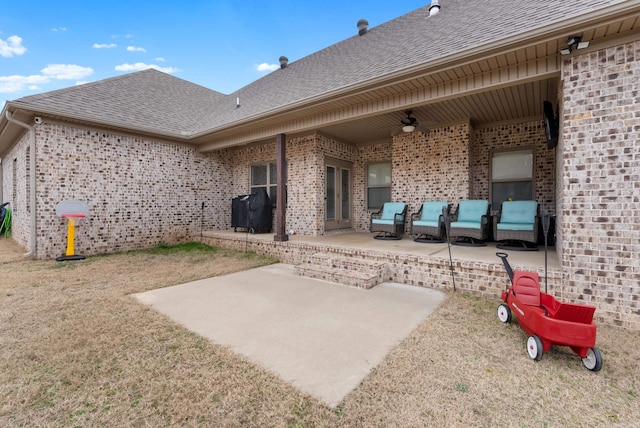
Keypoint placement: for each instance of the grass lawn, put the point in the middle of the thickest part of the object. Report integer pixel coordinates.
(77, 350)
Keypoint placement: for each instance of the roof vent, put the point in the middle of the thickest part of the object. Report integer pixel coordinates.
(284, 61)
(434, 9)
(363, 27)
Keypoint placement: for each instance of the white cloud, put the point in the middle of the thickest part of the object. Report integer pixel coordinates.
(66, 71)
(55, 30)
(267, 67)
(15, 83)
(13, 46)
(160, 59)
(142, 66)
(135, 49)
(104, 45)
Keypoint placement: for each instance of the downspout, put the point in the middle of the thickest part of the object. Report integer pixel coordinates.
(32, 181)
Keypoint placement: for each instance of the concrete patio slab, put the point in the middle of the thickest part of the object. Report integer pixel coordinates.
(321, 337)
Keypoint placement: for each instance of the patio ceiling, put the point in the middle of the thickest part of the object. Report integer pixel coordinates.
(519, 102)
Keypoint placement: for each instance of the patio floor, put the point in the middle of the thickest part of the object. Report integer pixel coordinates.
(321, 337)
(365, 241)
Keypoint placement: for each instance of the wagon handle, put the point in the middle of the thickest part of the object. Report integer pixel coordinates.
(506, 264)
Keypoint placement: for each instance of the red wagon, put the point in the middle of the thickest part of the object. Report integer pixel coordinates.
(548, 321)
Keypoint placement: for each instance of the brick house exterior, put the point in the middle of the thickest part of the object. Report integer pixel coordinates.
(147, 184)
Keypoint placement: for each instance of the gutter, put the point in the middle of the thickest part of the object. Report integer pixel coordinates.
(32, 181)
(183, 136)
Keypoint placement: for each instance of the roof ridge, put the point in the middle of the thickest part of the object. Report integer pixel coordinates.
(49, 94)
(126, 76)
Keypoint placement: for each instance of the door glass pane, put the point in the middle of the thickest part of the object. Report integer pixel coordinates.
(345, 196)
(331, 193)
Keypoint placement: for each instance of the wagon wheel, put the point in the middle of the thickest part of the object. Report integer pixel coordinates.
(534, 347)
(593, 360)
(504, 313)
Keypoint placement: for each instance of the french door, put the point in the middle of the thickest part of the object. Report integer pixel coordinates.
(338, 205)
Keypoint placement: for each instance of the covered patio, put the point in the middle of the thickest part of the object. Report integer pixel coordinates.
(477, 270)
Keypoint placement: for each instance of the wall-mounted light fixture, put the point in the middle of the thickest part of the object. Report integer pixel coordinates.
(574, 42)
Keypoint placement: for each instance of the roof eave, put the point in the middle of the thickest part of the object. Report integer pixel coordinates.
(550, 31)
(88, 120)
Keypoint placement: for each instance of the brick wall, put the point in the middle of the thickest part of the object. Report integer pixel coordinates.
(140, 191)
(432, 166)
(304, 186)
(528, 134)
(600, 181)
(15, 182)
(366, 155)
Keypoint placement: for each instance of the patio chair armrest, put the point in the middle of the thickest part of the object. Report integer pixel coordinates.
(453, 216)
(400, 217)
(415, 216)
(376, 214)
(536, 222)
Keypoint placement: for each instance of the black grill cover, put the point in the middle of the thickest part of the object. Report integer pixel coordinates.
(260, 214)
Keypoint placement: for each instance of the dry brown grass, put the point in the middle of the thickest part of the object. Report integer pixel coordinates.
(77, 350)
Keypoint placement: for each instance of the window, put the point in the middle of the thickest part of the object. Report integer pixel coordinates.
(264, 176)
(511, 176)
(378, 184)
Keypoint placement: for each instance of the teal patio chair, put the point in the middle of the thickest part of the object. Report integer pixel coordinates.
(516, 225)
(389, 221)
(427, 225)
(470, 223)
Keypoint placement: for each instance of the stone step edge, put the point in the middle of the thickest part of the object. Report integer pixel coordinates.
(340, 260)
(366, 280)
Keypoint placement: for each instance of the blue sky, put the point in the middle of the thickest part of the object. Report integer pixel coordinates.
(221, 44)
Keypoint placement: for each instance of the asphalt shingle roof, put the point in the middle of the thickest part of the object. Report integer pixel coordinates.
(147, 99)
(154, 100)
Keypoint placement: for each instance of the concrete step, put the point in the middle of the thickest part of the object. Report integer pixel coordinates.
(343, 270)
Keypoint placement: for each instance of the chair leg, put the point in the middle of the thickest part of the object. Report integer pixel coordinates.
(387, 236)
(517, 246)
(427, 239)
(466, 241)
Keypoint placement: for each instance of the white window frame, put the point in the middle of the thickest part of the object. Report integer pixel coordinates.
(523, 171)
(377, 186)
(271, 165)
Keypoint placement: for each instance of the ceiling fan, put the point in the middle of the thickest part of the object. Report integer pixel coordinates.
(410, 123)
